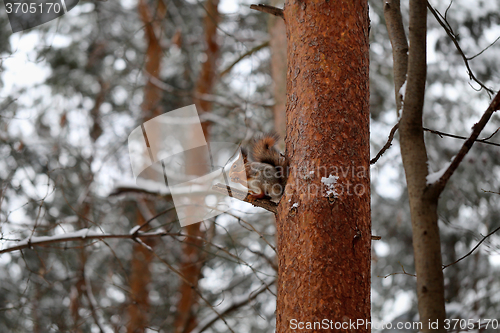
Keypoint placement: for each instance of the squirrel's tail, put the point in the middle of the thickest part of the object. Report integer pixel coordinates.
(263, 150)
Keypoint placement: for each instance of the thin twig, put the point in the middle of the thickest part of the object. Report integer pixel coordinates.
(196, 290)
(387, 144)
(486, 48)
(449, 31)
(235, 304)
(252, 228)
(92, 302)
(473, 249)
(439, 185)
(441, 134)
(244, 55)
(270, 261)
(395, 273)
(136, 232)
(489, 137)
(268, 9)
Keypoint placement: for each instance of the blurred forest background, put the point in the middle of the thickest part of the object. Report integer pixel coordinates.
(72, 90)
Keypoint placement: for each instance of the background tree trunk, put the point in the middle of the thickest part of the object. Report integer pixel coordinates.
(323, 226)
(423, 204)
(277, 32)
(140, 275)
(192, 250)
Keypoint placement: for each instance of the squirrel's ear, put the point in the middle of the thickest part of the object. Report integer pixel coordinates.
(244, 154)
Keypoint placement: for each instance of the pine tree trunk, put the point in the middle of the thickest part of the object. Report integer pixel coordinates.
(140, 275)
(192, 250)
(277, 31)
(323, 224)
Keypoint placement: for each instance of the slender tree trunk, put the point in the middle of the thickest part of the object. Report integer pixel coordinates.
(277, 31)
(193, 255)
(423, 204)
(323, 223)
(152, 94)
(140, 276)
(77, 290)
(397, 36)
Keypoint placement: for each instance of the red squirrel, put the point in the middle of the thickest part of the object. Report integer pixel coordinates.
(264, 171)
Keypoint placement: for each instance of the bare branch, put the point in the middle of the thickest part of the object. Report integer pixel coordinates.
(473, 249)
(192, 286)
(268, 9)
(77, 236)
(245, 196)
(250, 227)
(120, 190)
(138, 228)
(270, 261)
(397, 36)
(441, 134)
(244, 55)
(489, 137)
(396, 273)
(437, 187)
(235, 304)
(442, 21)
(483, 50)
(485, 140)
(92, 303)
(387, 144)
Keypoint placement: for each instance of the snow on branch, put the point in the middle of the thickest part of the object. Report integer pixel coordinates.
(80, 235)
(243, 196)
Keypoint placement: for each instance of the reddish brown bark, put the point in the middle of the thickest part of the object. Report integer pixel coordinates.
(323, 239)
(78, 289)
(277, 31)
(192, 256)
(152, 94)
(140, 276)
(207, 75)
(190, 269)
(77, 292)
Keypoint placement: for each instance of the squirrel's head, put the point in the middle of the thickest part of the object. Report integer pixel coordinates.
(237, 172)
